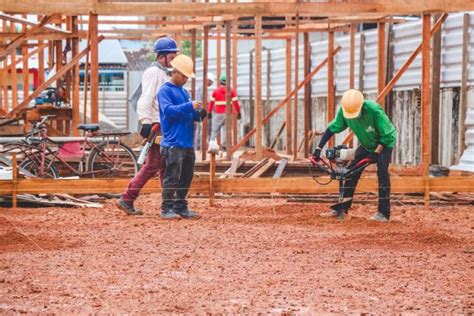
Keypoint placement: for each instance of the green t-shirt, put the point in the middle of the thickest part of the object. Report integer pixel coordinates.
(372, 127)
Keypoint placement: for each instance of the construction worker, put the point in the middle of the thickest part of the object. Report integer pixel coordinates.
(147, 108)
(178, 114)
(376, 135)
(218, 105)
(199, 97)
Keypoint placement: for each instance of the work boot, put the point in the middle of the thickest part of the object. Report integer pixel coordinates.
(188, 214)
(169, 214)
(128, 208)
(379, 217)
(333, 213)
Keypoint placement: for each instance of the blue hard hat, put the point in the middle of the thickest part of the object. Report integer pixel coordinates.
(165, 45)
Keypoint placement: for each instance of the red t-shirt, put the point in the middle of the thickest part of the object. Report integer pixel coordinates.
(218, 99)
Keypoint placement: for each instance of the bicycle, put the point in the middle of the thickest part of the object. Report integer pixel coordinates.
(110, 158)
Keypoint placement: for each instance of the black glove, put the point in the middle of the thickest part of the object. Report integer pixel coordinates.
(239, 116)
(145, 131)
(374, 156)
(202, 113)
(317, 154)
(209, 115)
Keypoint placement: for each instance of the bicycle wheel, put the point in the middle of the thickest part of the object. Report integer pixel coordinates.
(112, 159)
(33, 167)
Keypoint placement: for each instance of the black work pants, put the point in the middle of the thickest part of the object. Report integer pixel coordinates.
(383, 176)
(177, 179)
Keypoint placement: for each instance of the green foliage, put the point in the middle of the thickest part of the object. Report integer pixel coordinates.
(186, 48)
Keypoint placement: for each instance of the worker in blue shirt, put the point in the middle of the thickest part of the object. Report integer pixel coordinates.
(178, 114)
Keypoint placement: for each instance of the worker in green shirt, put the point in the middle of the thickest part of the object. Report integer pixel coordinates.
(376, 135)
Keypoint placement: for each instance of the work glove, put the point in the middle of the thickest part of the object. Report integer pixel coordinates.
(202, 113)
(209, 115)
(317, 154)
(374, 156)
(145, 131)
(239, 116)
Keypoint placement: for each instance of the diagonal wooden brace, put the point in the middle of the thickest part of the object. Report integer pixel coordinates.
(23, 105)
(266, 119)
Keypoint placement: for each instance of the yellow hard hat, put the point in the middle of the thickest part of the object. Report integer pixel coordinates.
(184, 65)
(352, 101)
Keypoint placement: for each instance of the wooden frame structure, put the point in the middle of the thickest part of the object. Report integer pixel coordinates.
(203, 20)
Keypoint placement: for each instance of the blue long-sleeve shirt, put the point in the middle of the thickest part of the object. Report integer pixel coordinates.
(177, 116)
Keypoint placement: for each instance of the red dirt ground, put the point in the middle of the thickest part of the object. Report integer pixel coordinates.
(244, 256)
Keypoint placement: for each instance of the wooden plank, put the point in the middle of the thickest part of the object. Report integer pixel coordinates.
(288, 92)
(25, 22)
(307, 93)
(426, 103)
(14, 180)
(381, 60)
(212, 176)
(403, 68)
(46, 84)
(94, 86)
(76, 103)
(285, 100)
(352, 56)
(281, 168)
(258, 88)
(263, 169)
(361, 61)
(464, 78)
(229, 105)
(295, 101)
(205, 62)
(13, 74)
(235, 165)
(234, 79)
(331, 91)
(25, 68)
(252, 170)
(316, 9)
(435, 95)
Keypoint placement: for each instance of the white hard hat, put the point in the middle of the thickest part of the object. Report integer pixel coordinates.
(210, 76)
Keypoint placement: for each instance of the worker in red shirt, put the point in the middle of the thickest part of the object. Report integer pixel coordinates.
(217, 108)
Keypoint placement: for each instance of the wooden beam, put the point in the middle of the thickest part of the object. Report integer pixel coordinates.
(76, 102)
(295, 102)
(47, 83)
(464, 78)
(435, 97)
(361, 61)
(307, 93)
(266, 119)
(258, 89)
(331, 91)
(205, 62)
(229, 105)
(426, 103)
(94, 86)
(25, 22)
(352, 56)
(319, 9)
(381, 60)
(288, 92)
(13, 74)
(234, 80)
(17, 41)
(403, 68)
(25, 68)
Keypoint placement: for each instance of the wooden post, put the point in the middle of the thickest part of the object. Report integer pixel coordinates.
(228, 108)
(218, 54)
(435, 93)
(76, 82)
(41, 45)
(15, 180)
(288, 91)
(212, 177)
(426, 103)
(258, 87)
(25, 70)
(13, 75)
(464, 77)
(352, 57)
(295, 105)
(5, 76)
(205, 63)
(94, 68)
(59, 57)
(331, 102)
(234, 79)
(267, 106)
(361, 61)
(307, 94)
(193, 57)
(381, 60)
